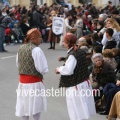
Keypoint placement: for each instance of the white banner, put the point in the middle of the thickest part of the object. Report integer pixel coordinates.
(57, 25)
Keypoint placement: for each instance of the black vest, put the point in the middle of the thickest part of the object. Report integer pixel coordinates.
(80, 72)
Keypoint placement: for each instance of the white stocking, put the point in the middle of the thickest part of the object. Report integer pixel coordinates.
(37, 116)
(25, 118)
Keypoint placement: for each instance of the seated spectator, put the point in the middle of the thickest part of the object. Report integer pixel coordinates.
(102, 74)
(97, 49)
(109, 58)
(7, 35)
(95, 40)
(116, 54)
(25, 26)
(109, 92)
(111, 43)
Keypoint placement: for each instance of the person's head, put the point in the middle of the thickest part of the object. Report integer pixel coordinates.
(12, 15)
(85, 48)
(94, 23)
(107, 53)
(34, 36)
(89, 17)
(79, 15)
(97, 59)
(97, 49)
(69, 40)
(109, 32)
(37, 7)
(81, 41)
(45, 4)
(112, 23)
(94, 37)
(101, 17)
(84, 17)
(68, 15)
(116, 52)
(24, 19)
(3, 9)
(109, 2)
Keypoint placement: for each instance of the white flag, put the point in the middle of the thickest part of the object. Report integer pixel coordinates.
(57, 25)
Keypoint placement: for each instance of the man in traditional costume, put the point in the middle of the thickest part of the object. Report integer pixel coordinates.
(32, 65)
(74, 77)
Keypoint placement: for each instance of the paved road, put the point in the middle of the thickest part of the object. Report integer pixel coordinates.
(57, 109)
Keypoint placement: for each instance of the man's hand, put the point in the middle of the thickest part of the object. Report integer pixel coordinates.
(59, 59)
(56, 71)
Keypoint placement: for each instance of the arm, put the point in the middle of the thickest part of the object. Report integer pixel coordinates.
(80, 24)
(40, 61)
(67, 24)
(69, 67)
(104, 40)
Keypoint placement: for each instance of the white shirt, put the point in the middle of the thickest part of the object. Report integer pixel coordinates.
(40, 61)
(116, 36)
(68, 68)
(69, 6)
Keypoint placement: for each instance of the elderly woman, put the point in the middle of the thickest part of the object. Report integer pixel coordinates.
(102, 73)
(74, 77)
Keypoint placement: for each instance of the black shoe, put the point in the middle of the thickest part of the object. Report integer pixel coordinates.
(53, 48)
(103, 113)
(5, 51)
(50, 48)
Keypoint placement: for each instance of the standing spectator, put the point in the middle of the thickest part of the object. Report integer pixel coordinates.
(79, 26)
(4, 23)
(24, 25)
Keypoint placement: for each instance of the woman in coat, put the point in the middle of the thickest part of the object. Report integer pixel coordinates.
(79, 26)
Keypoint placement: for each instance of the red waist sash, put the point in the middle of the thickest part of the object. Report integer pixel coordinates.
(29, 79)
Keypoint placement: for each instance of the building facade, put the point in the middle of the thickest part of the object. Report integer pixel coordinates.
(74, 2)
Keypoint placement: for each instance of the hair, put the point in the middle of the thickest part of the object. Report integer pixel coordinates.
(116, 51)
(95, 37)
(23, 18)
(107, 53)
(114, 23)
(11, 14)
(70, 39)
(82, 39)
(97, 49)
(97, 55)
(85, 48)
(110, 31)
(95, 22)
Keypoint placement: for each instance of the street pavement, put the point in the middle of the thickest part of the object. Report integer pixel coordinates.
(57, 109)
